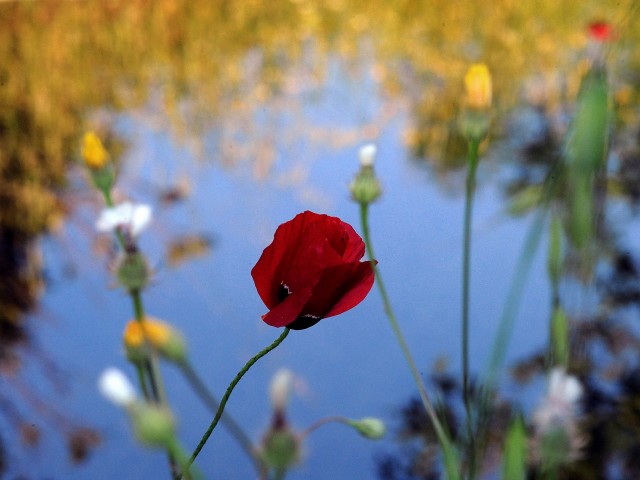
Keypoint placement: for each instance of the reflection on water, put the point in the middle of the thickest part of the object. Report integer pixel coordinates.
(234, 81)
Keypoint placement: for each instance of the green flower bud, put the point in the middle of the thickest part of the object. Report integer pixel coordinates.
(555, 449)
(474, 124)
(133, 271)
(369, 427)
(365, 188)
(153, 424)
(280, 449)
(526, 200)
(103, 178)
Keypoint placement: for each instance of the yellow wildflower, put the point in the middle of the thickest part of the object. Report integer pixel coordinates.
(159, 335)
(93, 152)
(477, 83)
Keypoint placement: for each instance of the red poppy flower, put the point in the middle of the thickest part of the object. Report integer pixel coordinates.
(601, 31)
(311, 270)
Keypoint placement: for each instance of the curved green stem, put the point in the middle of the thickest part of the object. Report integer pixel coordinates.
(472, 161)
(227, 420)
(450, 456)
(323, 421)
(227, 394)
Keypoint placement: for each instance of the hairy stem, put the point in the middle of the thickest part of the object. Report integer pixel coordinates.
(227, 394)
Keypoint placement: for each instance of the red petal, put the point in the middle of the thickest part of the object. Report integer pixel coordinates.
(344, 239)
(355, 292)
(339, 289)
(286, 311)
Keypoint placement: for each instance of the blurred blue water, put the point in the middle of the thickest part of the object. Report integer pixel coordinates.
(351, 364)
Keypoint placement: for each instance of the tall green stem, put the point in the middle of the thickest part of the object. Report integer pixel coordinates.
(449, 453)
(472, 164)
(213, 404)
(152, 365)
(227, 394)
(510, 309)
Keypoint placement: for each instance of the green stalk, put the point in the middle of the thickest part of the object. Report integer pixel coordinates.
(472, 161)
(510, 310)
(227, 394)
(152, 368)
(213, 404)
(142, 381)
(449, 453)
(152, 365)
(109, 202)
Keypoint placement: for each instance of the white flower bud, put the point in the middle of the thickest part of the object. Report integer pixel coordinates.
(116, 387)
(367, 154)
(564, 388)
(280, 388)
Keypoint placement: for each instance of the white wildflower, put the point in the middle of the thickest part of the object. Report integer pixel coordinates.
(133, 218)
(560, 406)
(558, 438)
(116, 387)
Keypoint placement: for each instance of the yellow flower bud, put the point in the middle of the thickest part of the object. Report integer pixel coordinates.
(160, 335)
(477, 83)
(93, 152)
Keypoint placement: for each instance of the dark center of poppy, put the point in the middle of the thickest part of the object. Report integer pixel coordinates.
(283, 292)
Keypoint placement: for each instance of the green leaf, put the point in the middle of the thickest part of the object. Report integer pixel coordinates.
(560, 337)
(514, 462)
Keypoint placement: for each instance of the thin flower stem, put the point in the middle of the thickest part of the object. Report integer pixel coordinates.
(107, 198)
(142, 382)
(227, 394)
(109, 203)
(152, 365)
(450, 457)
(182, 458)
(152, 368)
(472, 162)
(323, 421)
(227, 420)
(510, 309)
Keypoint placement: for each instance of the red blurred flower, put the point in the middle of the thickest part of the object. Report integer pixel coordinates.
(601, 31)
(311, 270)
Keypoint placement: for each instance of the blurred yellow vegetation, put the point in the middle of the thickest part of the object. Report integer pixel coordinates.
(219, 62)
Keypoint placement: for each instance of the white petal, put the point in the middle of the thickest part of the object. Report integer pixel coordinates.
(116, 387)
(367, 154)
(140, 219)
(564, 387)
(114, 217)
(132, 217)
(572, 390)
